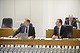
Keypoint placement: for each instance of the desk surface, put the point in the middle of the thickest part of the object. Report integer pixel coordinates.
(65, 42)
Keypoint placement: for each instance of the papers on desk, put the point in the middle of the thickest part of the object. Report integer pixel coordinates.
(7, 38)
(43, 38)
(47, 39)
(65, 38)
(78, 39)
(58, 39)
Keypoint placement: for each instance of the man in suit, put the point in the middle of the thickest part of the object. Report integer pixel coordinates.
(71, 21)
(26, 28)
(59, 30)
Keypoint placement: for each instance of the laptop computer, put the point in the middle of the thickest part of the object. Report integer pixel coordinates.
(22, 36)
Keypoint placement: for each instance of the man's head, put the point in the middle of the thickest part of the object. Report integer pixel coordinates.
(58, 22)
(26, 22)
(70, 17)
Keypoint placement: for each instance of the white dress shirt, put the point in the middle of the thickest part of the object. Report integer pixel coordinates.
(59, 30)
(69, 22)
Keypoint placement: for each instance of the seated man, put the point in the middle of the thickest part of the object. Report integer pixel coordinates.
(26, 28)
(59, 30)
(71, 21)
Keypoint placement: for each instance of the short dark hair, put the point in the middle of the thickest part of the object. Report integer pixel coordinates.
(27, 20)
(60, 21)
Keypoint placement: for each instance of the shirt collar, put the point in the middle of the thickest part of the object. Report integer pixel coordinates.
(60, 27)
(28, 26)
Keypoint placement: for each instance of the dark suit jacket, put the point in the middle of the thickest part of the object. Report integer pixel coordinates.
(73, 23)
(62, 31)
(21, 29)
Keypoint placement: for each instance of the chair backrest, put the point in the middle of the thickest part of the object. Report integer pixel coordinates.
(74, 24)
(69, 30)
(7, 23)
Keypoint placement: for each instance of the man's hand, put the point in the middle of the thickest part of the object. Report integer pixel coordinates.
(10, 36)
(55, 37)
(30, 37)
(60, 37)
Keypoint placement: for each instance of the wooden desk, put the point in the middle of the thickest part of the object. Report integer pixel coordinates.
(69, 42)
(4, 32)
(49, 33)
(75, 34)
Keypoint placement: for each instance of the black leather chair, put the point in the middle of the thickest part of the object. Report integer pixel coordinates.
(7, 23)
(74, 24)
(69, 31)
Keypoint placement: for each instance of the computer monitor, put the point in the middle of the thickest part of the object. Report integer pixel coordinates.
(22, 36)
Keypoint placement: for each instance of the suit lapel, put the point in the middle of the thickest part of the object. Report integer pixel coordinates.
(61, 30)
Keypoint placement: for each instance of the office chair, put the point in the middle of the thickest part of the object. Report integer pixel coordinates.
(7, 23)
(74, 24)
(68, 31)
